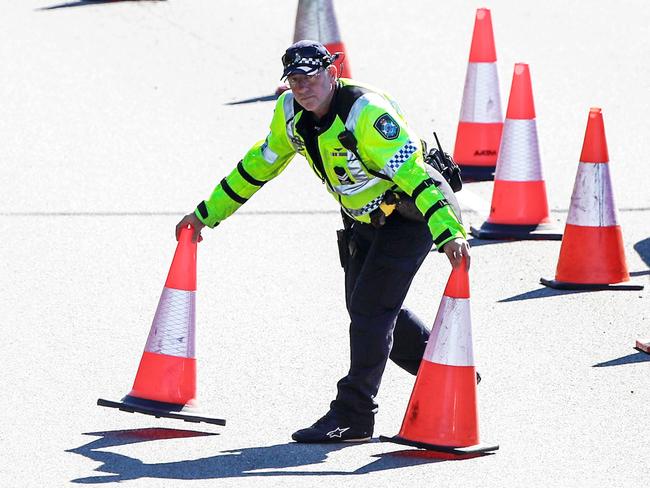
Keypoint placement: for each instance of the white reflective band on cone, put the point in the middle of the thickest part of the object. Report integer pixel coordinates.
(172, 331)
(315, 20)
(592, 201)
(519, 152)
(481, 99)
(450, 341)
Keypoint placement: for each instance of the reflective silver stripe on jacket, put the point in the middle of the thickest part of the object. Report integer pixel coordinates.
(287, 106)
(358, 106)
(367, 208)
(353, 163)
(269, 156)
(357, 187)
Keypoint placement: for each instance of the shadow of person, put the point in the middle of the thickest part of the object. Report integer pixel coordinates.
(263, 461)
(264, 98)
(643, 249)
(541, 293)
(82, 3)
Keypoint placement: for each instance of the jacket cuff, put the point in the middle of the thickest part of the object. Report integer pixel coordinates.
(201, 213)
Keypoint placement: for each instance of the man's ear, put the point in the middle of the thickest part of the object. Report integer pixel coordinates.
(331, 69)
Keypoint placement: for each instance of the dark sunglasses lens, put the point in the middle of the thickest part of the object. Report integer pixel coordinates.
(303, 52)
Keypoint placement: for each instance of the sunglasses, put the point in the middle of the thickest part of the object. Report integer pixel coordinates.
(306, 54)
(310, 80)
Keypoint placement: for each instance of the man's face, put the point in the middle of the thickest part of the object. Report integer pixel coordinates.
(313, 92)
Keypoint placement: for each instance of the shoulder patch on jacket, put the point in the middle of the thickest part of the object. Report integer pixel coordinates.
(387, 127)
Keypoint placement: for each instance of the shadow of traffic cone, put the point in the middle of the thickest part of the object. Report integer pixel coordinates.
(592, 255)
(165, 383)
(442, 412)
(519, 208)
(481, 120)
(316, 20)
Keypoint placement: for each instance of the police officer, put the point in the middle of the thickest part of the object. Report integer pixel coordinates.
(357, 142)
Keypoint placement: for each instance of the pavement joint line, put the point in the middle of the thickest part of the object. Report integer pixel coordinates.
(254, 213)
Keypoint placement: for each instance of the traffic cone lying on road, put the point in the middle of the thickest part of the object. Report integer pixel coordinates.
(442, 412)
(519, 208)
(165, 384)
(481, 120)
(592, 255)
(316, 20)
(643, 346)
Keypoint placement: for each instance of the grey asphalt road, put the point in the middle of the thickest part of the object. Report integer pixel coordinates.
(118, 117)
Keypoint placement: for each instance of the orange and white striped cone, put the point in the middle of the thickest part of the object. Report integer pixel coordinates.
(643, 345)
(316, 20)
(165, 383)
(519, 208)
(481, 120)
(592, 256)
(442, 413)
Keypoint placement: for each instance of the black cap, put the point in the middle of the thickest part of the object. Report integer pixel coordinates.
(306, 57)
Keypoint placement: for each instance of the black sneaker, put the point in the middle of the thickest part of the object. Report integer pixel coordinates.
(332, 428)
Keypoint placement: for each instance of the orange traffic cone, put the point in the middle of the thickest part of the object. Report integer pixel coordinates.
(316, 20)
(165, 384)
(519, 207)
(481, 119)
(643, 346)
(592, 255)
(442, 412)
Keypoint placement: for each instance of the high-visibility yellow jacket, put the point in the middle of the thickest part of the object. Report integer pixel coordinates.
(390, 158)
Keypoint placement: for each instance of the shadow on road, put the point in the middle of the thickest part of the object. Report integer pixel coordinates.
(474, 242)
(238, 463)
(265, 98)
(82, 3)
(541, 293)
(643, 249)
(639, 357)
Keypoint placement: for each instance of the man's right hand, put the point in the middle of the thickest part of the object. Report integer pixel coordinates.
(193, 221)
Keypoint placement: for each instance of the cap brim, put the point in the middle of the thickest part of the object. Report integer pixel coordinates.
(303, 70)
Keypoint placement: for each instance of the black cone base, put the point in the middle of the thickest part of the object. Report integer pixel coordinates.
(534, 232)
(476, 173)
(158, 409)
(477, 449)
(563, 285)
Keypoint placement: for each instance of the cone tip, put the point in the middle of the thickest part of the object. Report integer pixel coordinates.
(458, 283)
(182, 272)
(594, 147)
(520, 68)
(520, 102)
(482, 13)
(482, 49)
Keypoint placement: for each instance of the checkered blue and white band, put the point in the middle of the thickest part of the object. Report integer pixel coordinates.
(399, 158)
(367, 208)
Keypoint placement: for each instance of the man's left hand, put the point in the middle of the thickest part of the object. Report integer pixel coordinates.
(456, 250)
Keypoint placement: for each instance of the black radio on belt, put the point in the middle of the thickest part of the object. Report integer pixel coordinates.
(444, 164)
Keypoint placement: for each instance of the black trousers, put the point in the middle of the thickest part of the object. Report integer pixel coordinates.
(378, 275)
